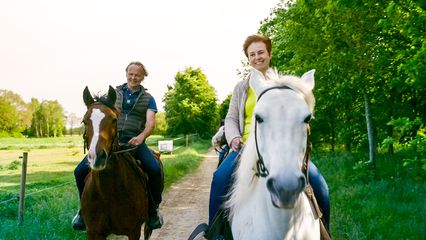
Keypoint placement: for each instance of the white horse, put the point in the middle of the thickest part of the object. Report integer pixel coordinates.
(267, 200)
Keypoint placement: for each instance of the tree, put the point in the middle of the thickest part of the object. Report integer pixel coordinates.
(18, 117)
(370, 58)
(48, 119)
(191, 104)
(224, 106)
(160, 123)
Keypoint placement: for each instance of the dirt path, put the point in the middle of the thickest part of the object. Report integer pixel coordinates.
(186, 203)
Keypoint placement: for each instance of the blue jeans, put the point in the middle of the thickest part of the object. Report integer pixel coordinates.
(222, 181)
(223, 152)
(149, 165)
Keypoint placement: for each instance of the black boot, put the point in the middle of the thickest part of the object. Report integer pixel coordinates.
(78, 222)
(155, 219)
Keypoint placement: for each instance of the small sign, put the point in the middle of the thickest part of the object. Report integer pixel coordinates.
(165, 146)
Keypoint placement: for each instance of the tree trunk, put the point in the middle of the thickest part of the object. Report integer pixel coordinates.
(371, 140)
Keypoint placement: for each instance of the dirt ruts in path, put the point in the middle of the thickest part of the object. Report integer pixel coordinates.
(186, 203)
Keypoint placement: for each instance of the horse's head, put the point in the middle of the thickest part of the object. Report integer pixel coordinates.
(100, 123)
(280, 124)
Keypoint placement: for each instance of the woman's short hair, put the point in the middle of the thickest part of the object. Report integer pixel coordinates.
(145, 73)
(257, 38)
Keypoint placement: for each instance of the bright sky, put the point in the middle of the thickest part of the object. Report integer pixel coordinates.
(52, 49)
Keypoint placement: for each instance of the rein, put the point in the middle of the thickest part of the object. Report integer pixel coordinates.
(261, 170)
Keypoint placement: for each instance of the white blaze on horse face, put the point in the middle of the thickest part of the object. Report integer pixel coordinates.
(96, 117)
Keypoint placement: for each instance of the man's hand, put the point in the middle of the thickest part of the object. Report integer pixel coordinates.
(136, 141)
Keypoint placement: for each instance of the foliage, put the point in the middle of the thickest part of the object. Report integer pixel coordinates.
(366, 207)
(48, 119)
(190, 105)
(160, 123)
(13, 165)
(368, 55)
(18, 116)
(224, 106)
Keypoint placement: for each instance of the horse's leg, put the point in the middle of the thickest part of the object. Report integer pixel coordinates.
(135, 234)
(147, 232)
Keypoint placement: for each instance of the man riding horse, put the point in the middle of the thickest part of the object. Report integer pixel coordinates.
(135, 124)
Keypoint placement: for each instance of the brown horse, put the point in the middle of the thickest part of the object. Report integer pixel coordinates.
(115, 197)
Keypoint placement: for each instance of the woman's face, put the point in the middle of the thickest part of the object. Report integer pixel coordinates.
(258, 56)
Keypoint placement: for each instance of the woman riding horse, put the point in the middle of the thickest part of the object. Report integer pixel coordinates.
(257, 49)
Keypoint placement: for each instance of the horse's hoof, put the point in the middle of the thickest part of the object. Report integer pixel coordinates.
(155, 221)
(78, 222)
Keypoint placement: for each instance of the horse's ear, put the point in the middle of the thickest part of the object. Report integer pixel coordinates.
(308, 79)
(257, 81)
(87, 97)
(112, 96)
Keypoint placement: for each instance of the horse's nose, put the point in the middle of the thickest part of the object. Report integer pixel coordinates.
(100, 160)
(284, 191)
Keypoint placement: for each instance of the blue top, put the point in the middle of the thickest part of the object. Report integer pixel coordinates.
(130, 99)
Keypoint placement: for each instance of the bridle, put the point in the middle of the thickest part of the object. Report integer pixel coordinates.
(261, 170)
(112, 150)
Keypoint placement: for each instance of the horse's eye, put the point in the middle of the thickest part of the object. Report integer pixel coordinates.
(259, 119)
(307, 118)
(114, 120)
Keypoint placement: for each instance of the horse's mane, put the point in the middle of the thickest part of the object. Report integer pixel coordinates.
(244, 176)
(103, 99)
(274, 78)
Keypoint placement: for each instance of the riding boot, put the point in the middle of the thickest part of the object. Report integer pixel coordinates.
(155, 218)
(78, 222)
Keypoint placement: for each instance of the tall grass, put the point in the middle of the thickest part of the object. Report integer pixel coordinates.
(386, 202)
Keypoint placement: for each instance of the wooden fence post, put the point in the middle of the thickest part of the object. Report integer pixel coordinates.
(187, 136)
(22, 191)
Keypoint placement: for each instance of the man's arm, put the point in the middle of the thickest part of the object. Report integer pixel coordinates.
(149, 127)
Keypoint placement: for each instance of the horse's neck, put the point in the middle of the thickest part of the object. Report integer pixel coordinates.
(257, 218)
(116, 173)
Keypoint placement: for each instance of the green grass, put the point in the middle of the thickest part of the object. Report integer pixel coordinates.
(51, 196)
(27, 144)
(386, 203)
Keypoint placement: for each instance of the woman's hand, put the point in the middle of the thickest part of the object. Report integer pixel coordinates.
(236, 144)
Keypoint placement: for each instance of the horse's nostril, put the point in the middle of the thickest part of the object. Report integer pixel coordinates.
(302, 181)
(270, 184)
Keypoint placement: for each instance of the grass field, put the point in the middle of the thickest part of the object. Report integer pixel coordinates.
(386, 203)
(51, 196)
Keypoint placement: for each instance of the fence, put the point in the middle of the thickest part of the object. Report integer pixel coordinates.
(168, 146)
(175, 144)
